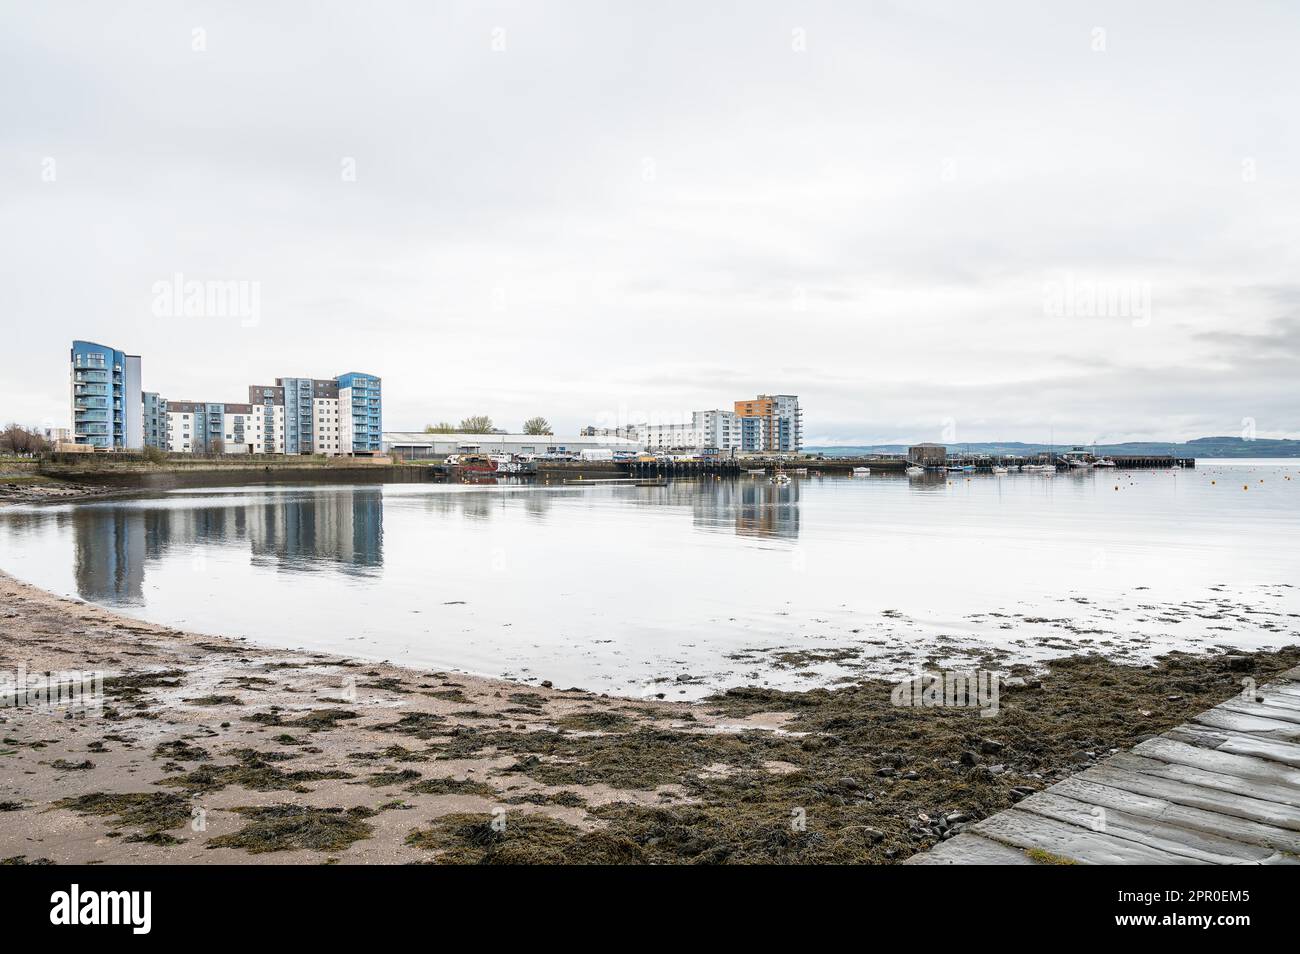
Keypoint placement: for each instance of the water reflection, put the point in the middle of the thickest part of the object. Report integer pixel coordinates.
(299, 531)
(109, 557)
(752, 508)
(341, 529)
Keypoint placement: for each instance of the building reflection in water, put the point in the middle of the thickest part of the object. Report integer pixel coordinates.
(748, 507)
(110, 555)
(340, 529)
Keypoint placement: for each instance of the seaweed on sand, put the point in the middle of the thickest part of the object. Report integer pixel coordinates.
(519, 838)
(317, 720)
(132, 687)
(180, 751)
(253, 771)
(420, 725)
(392, 777)
(643, 759)
(451, 786)
(292, 827)
(596, 720)
(153, 812)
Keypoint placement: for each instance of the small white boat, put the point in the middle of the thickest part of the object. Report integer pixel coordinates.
(915, 471)
(861, 471)
(756, 472)
(780, 478)
(999, 471)
(1104, 462)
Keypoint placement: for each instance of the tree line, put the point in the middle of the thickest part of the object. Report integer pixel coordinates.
(16, 439)
(482, 424)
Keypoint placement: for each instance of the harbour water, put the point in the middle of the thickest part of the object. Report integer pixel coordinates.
(698, 585)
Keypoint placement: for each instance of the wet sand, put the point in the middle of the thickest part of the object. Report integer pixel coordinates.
(209, 749)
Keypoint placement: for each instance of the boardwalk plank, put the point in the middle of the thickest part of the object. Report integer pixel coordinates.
(1267, 728)
(1227, 763)
(1276, 700)
(1154, 833)
(1262, 710)
(1029, 830)
(968, 849)
(1238, 743)
(1178, 803)
(1285, 799)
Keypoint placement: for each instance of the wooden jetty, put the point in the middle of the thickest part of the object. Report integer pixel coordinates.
(1223, 789)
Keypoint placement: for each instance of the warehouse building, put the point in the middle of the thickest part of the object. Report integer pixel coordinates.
(416, 445)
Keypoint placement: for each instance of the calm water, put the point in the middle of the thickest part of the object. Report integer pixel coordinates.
(624, 589)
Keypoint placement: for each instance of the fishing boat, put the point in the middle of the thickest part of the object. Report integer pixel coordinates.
(861, 471)
(1104, 462)
(780, 478)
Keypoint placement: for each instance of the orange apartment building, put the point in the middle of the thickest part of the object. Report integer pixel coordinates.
(770, 422)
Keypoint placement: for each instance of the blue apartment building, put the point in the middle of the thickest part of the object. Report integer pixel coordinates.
(107, 406)
(361, 412)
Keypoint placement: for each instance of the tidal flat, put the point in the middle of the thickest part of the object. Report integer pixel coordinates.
(209, 749)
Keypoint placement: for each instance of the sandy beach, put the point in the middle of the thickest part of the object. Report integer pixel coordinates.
(213, 750)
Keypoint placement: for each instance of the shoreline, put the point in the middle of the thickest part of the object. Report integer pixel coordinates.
(298, 757)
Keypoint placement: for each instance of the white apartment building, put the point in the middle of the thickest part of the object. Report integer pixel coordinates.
(325, 426)
(716, 428)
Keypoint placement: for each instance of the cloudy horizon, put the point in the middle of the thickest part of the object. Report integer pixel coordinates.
(928, 220)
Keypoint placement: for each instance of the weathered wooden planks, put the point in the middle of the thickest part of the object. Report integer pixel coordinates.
(968, 849)
(1221, 789)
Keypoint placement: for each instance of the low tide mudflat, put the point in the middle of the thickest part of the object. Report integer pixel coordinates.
(209, 749)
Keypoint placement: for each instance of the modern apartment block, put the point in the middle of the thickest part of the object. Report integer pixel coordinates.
(768, 423)
(107, 408)
(210, 427)
(155, 420)
(771, 422)
(331, 416)
(706, 429)
(361, 426)
(267, 401)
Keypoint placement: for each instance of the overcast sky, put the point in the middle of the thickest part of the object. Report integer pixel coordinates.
(592, 211)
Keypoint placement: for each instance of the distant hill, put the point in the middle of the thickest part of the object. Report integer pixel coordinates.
(1200, 447)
